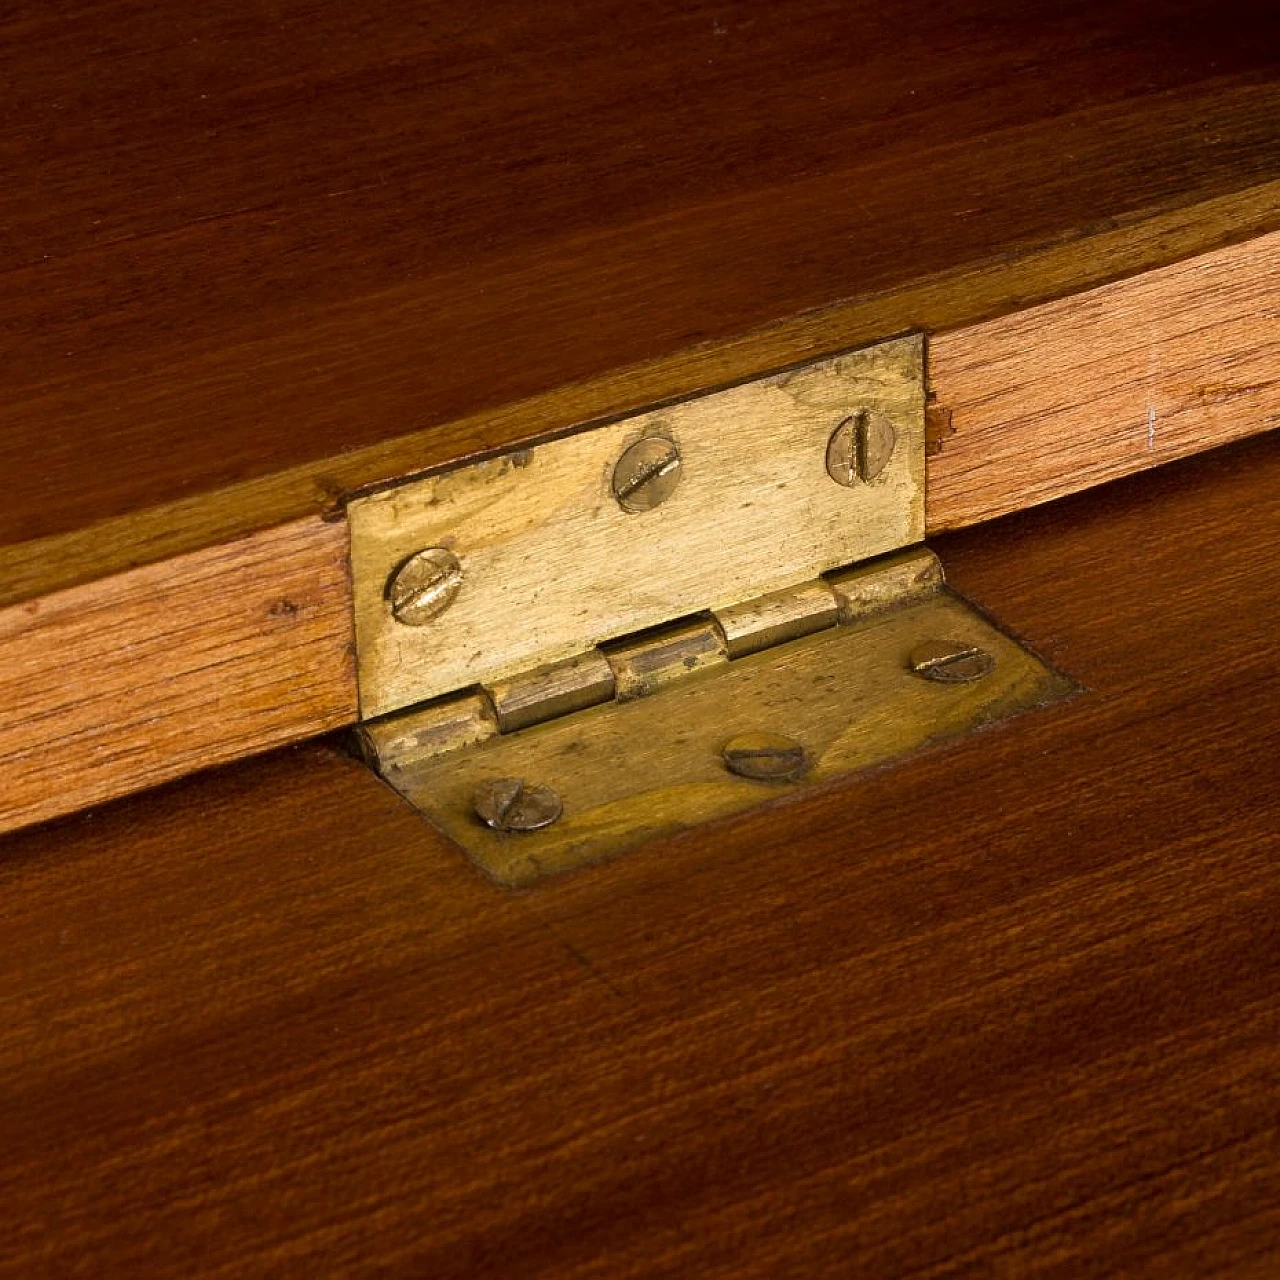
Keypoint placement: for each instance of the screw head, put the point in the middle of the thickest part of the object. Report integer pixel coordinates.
(860, 448)
(423, 586)
(509, 804)
(765, 757)
(647, 474)
(950, 661)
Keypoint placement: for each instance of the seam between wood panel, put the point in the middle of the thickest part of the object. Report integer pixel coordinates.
(1135, 244)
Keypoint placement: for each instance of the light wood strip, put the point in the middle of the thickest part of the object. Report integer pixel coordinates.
(142, 677)
(154, 672)
(1073, 393)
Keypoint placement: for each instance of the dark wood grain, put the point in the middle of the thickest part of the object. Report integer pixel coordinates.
(1010, 1008)
(237, 239)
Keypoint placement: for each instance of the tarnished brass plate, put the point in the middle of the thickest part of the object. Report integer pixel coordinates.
(541, 554)
(627, 771)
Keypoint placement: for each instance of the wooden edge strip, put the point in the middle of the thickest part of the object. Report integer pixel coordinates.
(125, 682)
(148, 675)
(1093, 387)
(1031, 273)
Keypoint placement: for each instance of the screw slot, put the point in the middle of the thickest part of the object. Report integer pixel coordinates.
(510, 804)
(950, 661)
(647, 474)
(860, 448)
(423, 586)
(765, 757)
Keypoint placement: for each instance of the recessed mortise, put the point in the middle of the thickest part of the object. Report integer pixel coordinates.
(703, 747)
(647, 474)
(423, 586)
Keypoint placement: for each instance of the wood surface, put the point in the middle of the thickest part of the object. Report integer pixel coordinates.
(1042, 403)
(1083, 390)
(134, 680)
(1007, 1009)
(239, 243)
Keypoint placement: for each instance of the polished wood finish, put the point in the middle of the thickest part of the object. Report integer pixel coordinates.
(1009, 1008)
(205, 658)
(1076, 392)
(240, 242)
(1119, 247)
(1041, 403)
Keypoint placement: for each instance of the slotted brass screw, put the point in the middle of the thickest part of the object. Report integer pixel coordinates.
(647, 474)
(511, 804)
(860, 448)
(423, 586)
(950, 661)
(765, 757)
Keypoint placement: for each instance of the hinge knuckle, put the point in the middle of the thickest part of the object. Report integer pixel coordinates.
(644, 664)
(556, 689)
(887, 583)
(777, 617)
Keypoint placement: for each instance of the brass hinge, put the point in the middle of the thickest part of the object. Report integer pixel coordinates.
(657, 621)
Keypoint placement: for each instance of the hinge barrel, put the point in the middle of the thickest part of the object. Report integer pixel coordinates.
(638, 666)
